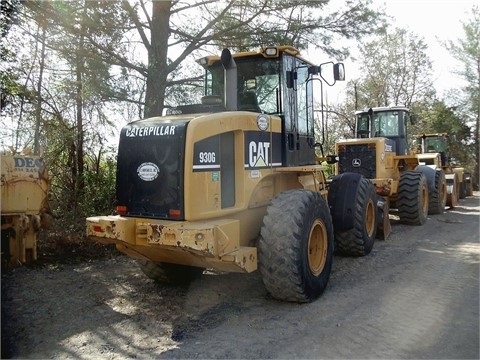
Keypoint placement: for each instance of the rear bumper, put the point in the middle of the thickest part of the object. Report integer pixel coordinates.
(213, 244)
(385, 187)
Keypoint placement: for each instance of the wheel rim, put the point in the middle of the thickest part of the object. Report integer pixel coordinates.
(317, 247)
(370, 218)
(454, 195)
(425, 199)
(443, 192)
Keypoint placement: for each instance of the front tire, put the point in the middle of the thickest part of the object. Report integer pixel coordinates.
(412, 200)
(296, 246)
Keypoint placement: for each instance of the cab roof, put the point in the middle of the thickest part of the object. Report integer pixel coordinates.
(383, 108)
(207, 61)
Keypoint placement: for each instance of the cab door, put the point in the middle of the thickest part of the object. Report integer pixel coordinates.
(299, 137)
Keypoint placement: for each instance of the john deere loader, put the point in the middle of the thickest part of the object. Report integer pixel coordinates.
(234, 183)
(380, 153)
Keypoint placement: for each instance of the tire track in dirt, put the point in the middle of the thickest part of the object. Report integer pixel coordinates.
(399, 302)
(415, 296)
(406, 317)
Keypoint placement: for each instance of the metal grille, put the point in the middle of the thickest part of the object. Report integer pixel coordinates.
(358, 158)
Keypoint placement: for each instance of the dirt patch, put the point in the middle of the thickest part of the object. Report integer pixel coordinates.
(415, 296)
(57, 246)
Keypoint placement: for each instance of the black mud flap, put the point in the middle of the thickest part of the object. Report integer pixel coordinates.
(384, 228)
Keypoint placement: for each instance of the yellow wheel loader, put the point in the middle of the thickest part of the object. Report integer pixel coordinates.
(381, 154)
(433, 151)
(234, 184)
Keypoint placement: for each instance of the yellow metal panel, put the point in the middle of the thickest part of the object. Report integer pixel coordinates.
(112, 228)
(202, 189)
(24, 184)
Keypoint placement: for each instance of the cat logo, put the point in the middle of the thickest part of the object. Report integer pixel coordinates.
(356, 162)
(258, 154)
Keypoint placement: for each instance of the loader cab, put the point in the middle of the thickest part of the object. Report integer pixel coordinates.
(388, 122)
(273, 81)
(433, 144)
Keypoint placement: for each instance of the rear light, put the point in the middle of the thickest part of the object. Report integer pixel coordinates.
(97, 228)
(121, 210)
(174, 213)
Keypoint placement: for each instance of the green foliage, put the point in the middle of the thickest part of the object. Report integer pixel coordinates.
(467, 51)
(8, 15)
(99, 196)
(246, 25)
(439, 118)
(68, 205)
(397, 71)
(179, 32)
(11, 89)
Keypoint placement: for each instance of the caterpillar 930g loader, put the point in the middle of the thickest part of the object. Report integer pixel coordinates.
(433, 151)
(380, 153)
(234, 183)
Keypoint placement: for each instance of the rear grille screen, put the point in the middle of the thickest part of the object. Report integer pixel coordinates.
(358, 158)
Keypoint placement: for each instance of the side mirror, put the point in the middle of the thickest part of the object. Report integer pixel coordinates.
(339, 72)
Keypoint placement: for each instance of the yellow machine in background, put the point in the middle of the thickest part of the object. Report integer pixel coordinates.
(433, 150)
(24, 186)
(380, 153)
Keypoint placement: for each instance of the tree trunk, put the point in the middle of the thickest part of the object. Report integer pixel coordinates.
(157, 58)
(79, 70)
(38, 106)
(476, 176)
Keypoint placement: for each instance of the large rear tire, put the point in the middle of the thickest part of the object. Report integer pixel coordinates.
(412, 199)
(361, 207)
(174, 274)
(438, 199)
(296, 246)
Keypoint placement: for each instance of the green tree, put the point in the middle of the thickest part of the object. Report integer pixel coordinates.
(440, 118)
(397, 71)
(172, 32)
(467, 52)
(71, 88)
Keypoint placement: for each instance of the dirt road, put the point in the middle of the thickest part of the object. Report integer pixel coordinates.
(415, 296)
